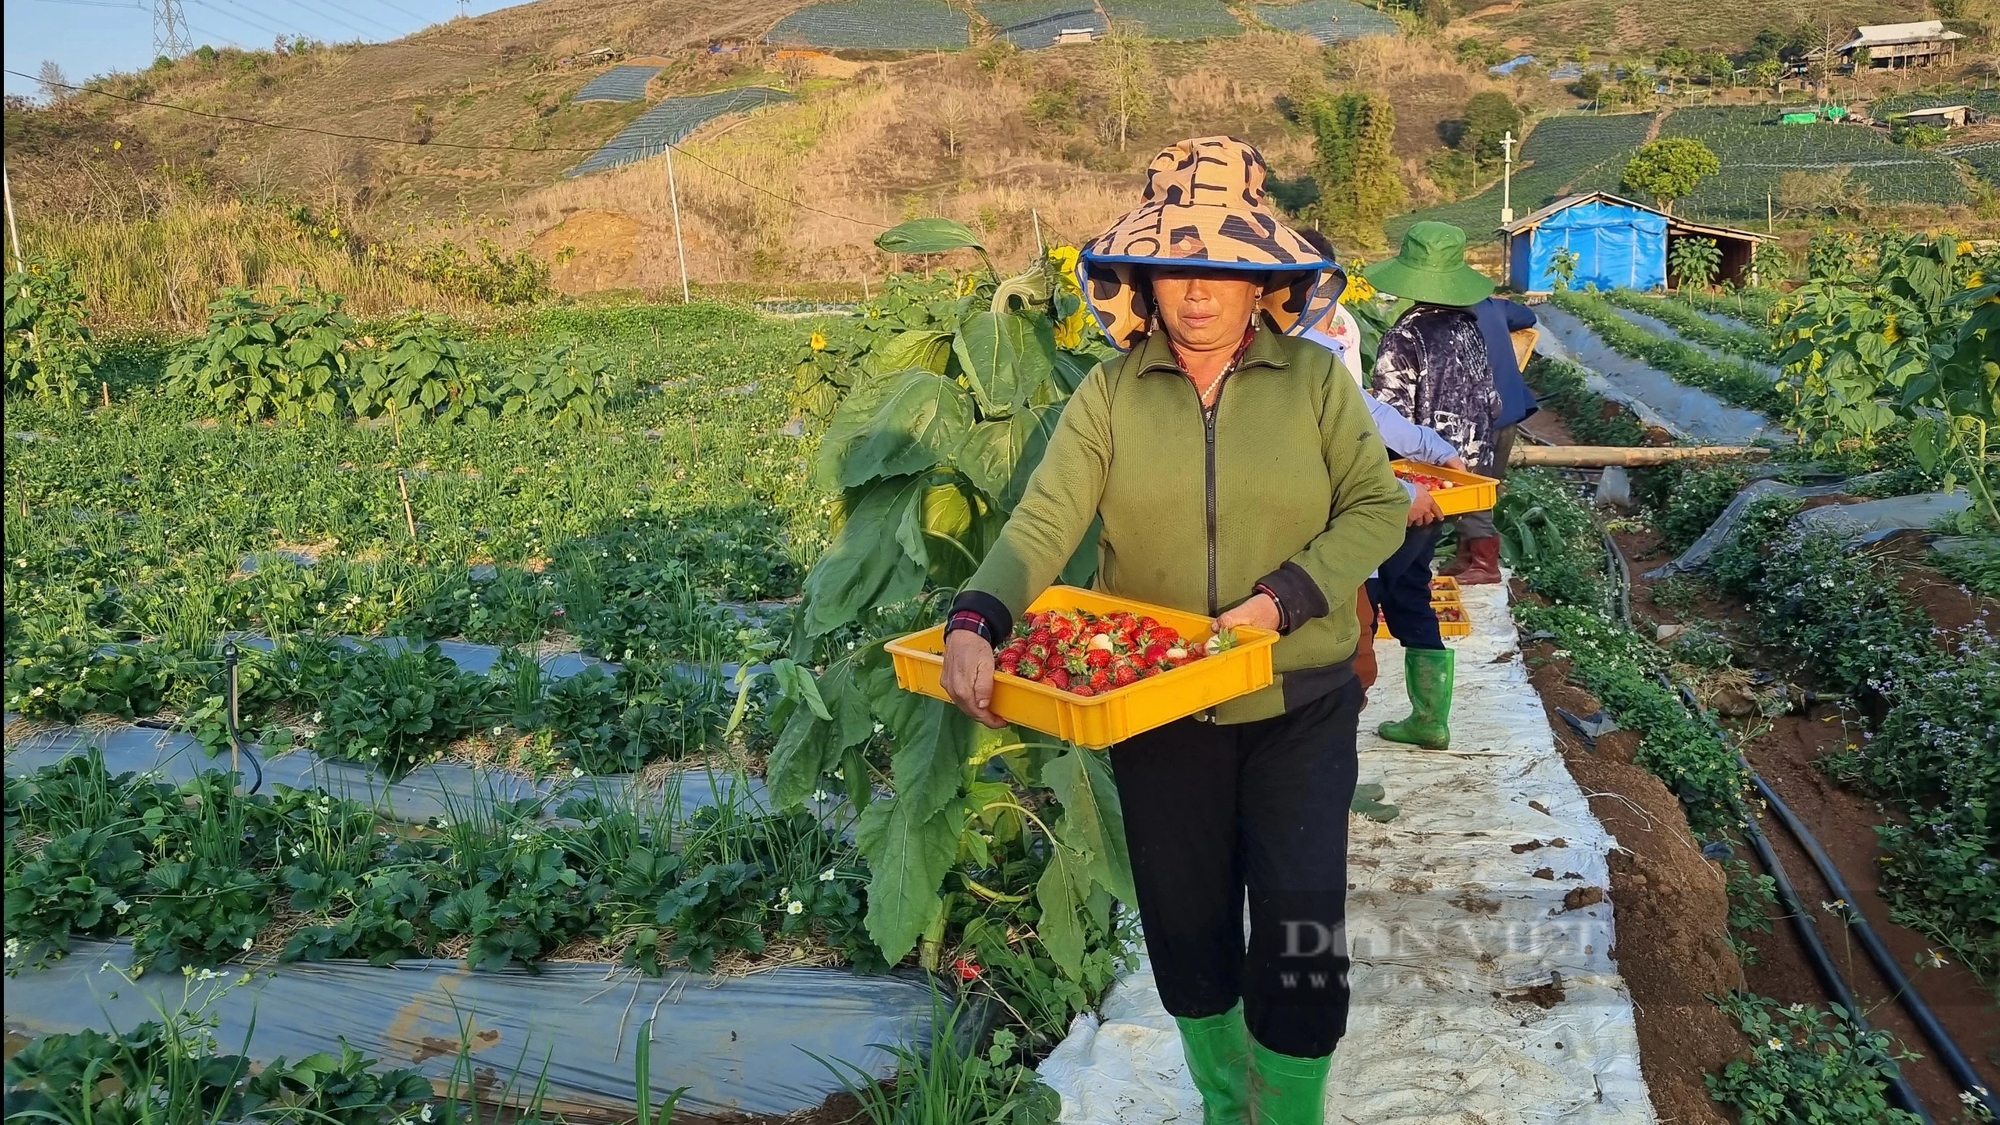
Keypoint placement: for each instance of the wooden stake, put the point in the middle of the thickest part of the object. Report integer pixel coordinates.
(409, 513)
(106, 388)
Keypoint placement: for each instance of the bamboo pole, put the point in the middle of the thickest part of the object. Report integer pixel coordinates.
(1598, 456)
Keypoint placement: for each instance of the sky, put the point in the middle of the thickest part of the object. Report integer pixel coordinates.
(92, 37)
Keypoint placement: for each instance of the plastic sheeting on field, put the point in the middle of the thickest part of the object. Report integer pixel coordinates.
(436, 789)
(1869, 520)
(1689, 412)
(1863, 520)
(1177, 20)
(895, 25)
(619, 84)
(670, 121)
(1449, 930)
(1616, 247)
(1032, 24)
(1327, 21)
(739, 1044)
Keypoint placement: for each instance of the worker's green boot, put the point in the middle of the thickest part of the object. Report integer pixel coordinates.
(1290, 1090)
(1218, 1058)
(1427, 675)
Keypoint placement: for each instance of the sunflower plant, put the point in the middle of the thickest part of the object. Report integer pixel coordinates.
(935, 415)
(1915, 340)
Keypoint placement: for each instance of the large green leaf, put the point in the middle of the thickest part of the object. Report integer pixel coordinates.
(1000, 456)
(911, 839)
(908, 858)
(810, 746)
(905, 423)
(1007, 356)
(1092, 821)
(1061, 893)
(869, 562)
(928, 349)
(928, 236)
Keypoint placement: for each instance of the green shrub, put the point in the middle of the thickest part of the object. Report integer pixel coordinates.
(50, 353)
(1694, 498)
(259, 360)
(419, 375)
(568, 385)
(393, 710)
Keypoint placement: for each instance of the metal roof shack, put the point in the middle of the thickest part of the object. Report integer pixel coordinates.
(1901, 44)
(1616, 243)
(1950, 116)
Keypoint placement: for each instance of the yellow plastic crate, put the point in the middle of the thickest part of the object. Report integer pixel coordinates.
(1098, 721)
(1470, 492)
(1444, 586)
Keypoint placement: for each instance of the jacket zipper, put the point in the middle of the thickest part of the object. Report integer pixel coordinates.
(1208, 425)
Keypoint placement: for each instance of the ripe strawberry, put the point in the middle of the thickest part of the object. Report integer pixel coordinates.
(1028, 669)
(1100, 679)
(1083, 690)
(1038, 651)
(1124, 674)
(1057, 678)
(1155, 652)
(1194, 653)
(1040, 636)
(1097, 657)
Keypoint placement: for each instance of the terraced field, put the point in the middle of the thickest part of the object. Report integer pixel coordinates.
(1562, 155)
(1756, 153)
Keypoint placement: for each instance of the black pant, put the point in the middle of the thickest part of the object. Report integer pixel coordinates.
(1213, 809)
(1402, 588)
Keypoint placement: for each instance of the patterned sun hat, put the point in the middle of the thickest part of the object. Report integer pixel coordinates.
(1204, 203)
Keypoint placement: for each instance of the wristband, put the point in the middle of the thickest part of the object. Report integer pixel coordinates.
(967, 619)
(1275, 600)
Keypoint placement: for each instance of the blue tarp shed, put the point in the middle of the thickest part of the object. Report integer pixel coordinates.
(1618, 244)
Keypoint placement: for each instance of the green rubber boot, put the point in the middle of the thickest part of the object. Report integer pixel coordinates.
(1218, 1058)
(1290, 1090)
(1427, 675)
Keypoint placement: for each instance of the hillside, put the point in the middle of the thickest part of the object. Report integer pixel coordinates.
(1638, 27)
(466, 133)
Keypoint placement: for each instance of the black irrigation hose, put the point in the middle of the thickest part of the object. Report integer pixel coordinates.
(236, 745)
(1947, 1048)
(1823, 966)
(1829, 976)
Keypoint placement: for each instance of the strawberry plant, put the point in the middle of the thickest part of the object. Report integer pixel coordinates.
(259, 360)
(393, 709)
(50, 353)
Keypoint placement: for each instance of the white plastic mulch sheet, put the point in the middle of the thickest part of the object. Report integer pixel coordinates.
(1456, 941)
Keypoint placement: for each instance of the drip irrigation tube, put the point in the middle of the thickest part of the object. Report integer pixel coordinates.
(1829, 975)
(1920, 1013)
(1823, 966)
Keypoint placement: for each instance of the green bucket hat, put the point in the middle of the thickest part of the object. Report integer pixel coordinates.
(1431, 268)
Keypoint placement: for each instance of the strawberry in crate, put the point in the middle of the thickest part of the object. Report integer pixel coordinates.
(1088, 654)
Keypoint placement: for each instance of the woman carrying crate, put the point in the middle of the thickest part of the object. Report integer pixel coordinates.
(1432, 367)
(1236, 474)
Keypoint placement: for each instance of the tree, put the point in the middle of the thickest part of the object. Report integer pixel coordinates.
(1768, 72)
(1129, 68)
(50, 78)
(1489, 116)
(1670, 168)
(1355, 164)
(1588, 87)
(1765, 45)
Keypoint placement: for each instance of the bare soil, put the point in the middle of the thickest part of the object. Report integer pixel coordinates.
(1784, 751)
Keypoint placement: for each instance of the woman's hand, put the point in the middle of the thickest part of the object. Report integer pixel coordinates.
(1456, 463)
(968, 675)
(1423, 508)
(1260, 611)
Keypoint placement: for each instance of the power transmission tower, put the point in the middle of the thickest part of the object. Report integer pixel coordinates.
(170, 29)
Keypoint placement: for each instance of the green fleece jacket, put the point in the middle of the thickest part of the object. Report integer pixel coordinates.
(1285, 484)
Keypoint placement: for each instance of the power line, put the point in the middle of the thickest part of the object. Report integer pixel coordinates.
(456, 145)
(241, 18)
(94, 4)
